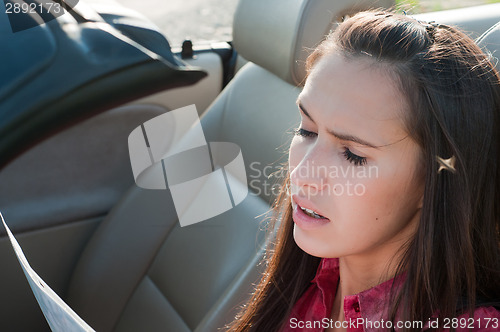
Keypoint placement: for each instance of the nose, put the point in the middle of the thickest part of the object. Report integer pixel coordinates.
(310, 172)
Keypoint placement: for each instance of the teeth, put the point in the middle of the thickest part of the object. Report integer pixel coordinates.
(311, 213)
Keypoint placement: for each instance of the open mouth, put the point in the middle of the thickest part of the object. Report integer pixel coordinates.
(311, 213)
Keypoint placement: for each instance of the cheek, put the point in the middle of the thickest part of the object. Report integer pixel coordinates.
(380, 195)
(296, 152)
(366, 200)
(390, 203)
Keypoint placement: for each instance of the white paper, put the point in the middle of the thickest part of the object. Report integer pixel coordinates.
(59, 315)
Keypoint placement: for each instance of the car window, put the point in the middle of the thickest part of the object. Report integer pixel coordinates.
(188, 19)
(211, 20)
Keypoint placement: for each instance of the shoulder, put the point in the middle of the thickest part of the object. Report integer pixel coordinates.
(487, 312)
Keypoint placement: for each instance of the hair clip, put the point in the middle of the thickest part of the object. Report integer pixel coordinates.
(446, 164)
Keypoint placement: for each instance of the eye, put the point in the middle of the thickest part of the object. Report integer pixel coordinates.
(304, 133)
(354, 158)
(349, 156)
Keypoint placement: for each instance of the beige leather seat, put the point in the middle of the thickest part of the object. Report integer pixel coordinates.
(143, 272)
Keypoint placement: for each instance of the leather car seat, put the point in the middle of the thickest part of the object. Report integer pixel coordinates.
(141, 271)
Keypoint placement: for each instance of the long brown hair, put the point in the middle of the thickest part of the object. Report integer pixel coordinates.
(452, 264)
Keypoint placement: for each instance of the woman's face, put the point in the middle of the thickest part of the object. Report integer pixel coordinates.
(353, 163)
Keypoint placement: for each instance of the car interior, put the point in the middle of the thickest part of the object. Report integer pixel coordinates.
(116, 252)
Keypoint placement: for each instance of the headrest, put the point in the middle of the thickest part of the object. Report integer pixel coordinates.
(278, 35)
(472, 20)
(490, 42)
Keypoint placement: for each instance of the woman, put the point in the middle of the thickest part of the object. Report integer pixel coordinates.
(393, 186)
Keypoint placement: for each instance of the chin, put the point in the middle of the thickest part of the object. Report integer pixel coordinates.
(311, 245)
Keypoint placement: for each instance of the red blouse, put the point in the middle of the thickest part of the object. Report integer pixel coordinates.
(363, 311)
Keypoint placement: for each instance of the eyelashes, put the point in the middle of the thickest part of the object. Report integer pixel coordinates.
(304, 133)
(354, 158)
(348, 155)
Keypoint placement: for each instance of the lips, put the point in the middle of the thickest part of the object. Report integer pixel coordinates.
(306, 206)
(305, 215)
(311, 213)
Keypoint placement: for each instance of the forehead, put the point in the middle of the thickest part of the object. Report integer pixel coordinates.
(355, 95)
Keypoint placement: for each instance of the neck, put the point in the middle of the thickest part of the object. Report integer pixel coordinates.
(357, 275)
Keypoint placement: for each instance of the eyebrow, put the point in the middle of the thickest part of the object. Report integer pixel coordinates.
(340, 136)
